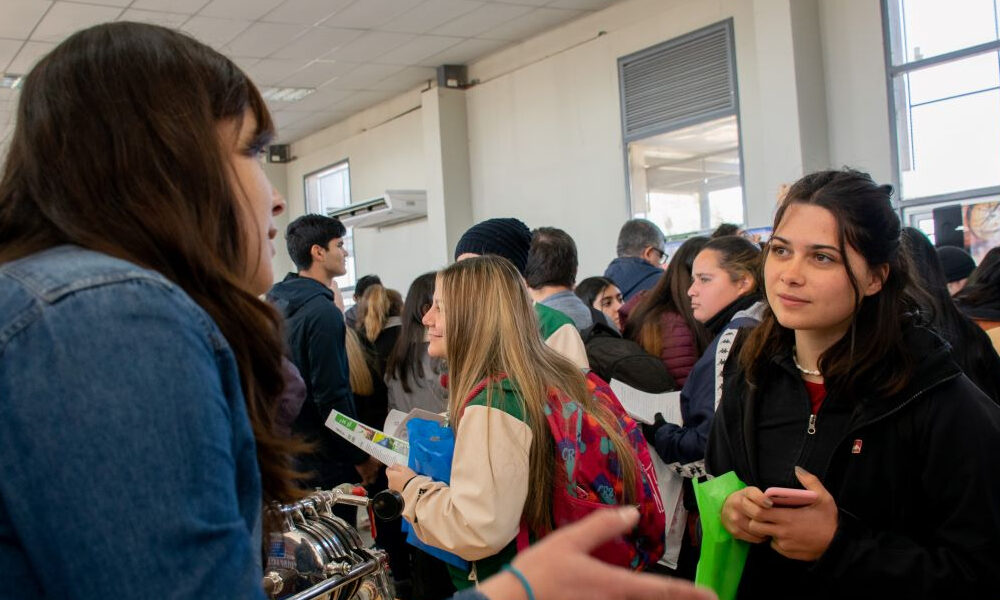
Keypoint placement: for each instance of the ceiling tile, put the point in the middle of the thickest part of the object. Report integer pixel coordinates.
(370, 46)
(65, 18)
(362, 100)
(166, 19)
(482, 19)
(370, 14)
(20, 17)
(215, 32)
(240, 9)
(7, 95)
(118, 3)
(304, 12)
(284, 118)
(262, 39)
(533, 23)
(430, 14)
(8, 50)
(28, 56)
(414, 51)
(321, 100)
(317, 42)
(580, 4)
(188, 7)
(317, 121)
(407, 79)
(269, 72)
(317, 73)
(464, 52)
(364, 76)
(244, 63)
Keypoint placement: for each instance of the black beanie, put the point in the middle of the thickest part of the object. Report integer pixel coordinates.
(509, 238)
(957, 263)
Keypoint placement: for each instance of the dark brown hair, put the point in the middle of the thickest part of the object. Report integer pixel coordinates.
(669, 295)
(406, 359)
(871, 359)
(116, 149)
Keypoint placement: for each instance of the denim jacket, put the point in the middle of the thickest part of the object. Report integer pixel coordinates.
(127, 460)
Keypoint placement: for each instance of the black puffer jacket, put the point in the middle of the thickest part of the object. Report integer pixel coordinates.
(914, 476)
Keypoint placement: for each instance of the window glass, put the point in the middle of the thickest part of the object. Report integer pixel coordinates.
(928, 28)
(688, 180)
(946, 112)
(327, 190)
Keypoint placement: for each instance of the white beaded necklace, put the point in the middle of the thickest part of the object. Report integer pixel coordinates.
(795, 359)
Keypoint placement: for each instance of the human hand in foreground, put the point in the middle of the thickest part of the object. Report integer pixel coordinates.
(737, 511)
(398, 475)
(368, 470)
(560, 567)
(802, 533)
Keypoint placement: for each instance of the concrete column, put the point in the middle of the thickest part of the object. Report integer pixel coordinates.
(446, 160)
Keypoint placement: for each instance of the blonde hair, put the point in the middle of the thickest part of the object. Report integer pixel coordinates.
(375, 311)
(491, 330)
(360, 375)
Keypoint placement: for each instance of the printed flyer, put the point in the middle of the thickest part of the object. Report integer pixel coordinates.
(386, 449)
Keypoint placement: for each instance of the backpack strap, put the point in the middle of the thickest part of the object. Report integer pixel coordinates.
(479, 387)
(696, 469)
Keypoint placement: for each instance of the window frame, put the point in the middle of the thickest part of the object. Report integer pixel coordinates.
(346, 163)
(892, 72)
(727, 26)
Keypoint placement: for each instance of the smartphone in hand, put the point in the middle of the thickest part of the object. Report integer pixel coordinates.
(790, 497)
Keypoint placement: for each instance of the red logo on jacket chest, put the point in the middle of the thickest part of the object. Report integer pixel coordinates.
(856, 448)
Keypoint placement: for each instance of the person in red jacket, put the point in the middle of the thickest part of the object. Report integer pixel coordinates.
(661, 321)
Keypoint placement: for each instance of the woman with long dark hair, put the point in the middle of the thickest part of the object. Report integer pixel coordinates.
(139, 368)
(970, 346)
(980, 298)
(413, 375)
(841, 391)
(724, 297)
(661, 320)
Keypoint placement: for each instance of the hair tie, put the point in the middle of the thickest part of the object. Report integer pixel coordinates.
(520, 577)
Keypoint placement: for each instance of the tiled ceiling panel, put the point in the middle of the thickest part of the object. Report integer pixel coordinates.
(63, 18)
(215, 32)
(305, 12)
(354, 53)
(20, 17)
(430, 15)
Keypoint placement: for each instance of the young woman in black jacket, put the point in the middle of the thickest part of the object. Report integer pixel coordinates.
(840, 391)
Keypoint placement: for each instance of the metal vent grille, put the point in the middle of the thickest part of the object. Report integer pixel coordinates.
(680, 82)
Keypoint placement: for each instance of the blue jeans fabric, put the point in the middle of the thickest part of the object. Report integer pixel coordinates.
(127, 461)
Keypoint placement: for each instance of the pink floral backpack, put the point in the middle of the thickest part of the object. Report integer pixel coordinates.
(587, 477)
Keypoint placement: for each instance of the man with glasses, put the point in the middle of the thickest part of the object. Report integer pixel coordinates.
(640, 257)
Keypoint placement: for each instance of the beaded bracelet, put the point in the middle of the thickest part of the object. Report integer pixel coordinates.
(520, 577)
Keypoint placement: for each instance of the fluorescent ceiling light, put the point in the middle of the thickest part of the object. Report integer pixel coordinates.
(11, 81)
(286, 94)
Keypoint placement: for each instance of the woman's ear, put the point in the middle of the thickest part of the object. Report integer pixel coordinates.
(745, 284)
(876, 278)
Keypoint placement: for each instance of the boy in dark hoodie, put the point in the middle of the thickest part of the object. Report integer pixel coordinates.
(314, 333)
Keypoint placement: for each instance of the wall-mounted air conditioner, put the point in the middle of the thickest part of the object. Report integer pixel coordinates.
(395, 206)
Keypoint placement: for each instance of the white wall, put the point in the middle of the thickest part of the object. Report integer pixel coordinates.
(856, 92)
(544, 123)
(389, 155)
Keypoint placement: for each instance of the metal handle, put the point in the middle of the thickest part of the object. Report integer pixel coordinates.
(366, 568)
